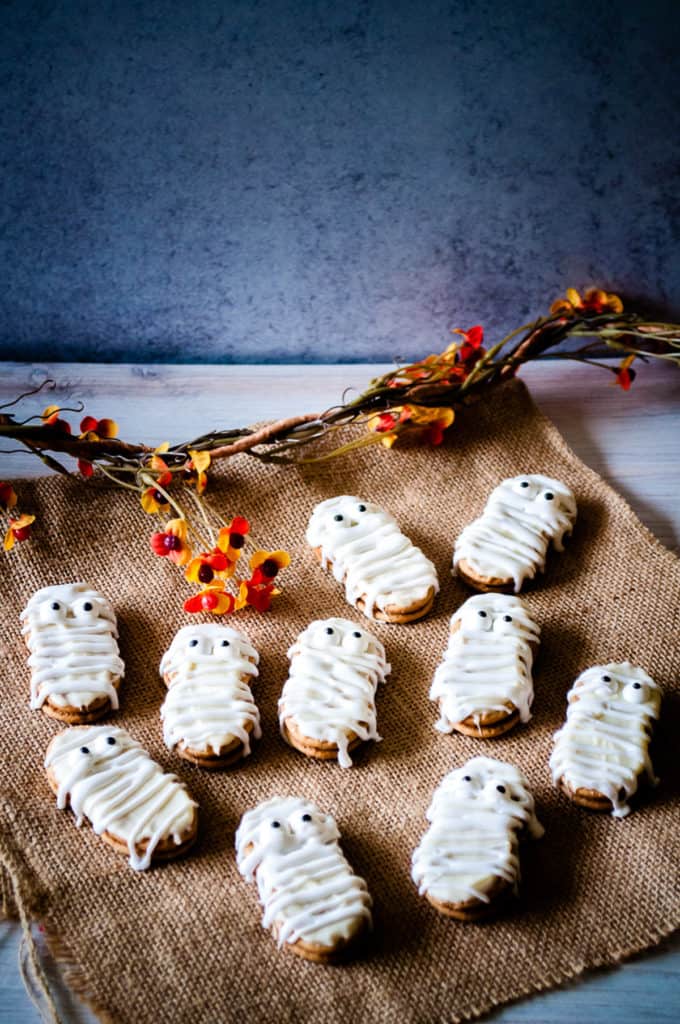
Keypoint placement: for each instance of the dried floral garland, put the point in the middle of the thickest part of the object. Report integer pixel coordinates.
(420, 399)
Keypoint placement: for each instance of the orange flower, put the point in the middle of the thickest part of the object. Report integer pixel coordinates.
(232, 538)
(18, 531)
(254, 595)
(209, 564)
(152, 499)
(624, 375)
(266, 565)
(471, 349)
(172, 542)
(8, 498)
(594, 303)
(212, 598)
(384, 423)
(435, 421)
(195, 470)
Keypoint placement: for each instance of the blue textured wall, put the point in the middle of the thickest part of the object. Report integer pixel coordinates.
(319, 181)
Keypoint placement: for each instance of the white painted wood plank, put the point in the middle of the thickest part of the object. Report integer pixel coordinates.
(632, 439)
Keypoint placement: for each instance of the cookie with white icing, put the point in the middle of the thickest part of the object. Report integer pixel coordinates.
(484, 684)
(209, 715)
(76, 669)
(468, 861)
(108, 779)
(385, 575)
(509, 542)
(327, 706)
(312, 900)
(601, 753)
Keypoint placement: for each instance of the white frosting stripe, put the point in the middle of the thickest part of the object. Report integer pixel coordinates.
(476, 816)
(330, 692)
(306, 886)
(209, 702)
(107, 777)
(487, 664)
(510, 539)
(72, 636)
(604, 743)
(365, 547)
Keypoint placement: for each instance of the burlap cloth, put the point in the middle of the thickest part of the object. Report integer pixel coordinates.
(183, 942)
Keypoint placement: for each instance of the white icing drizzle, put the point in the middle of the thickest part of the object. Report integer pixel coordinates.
(72, 636)
(209, 702)
(364, 546)
(306, 886)
(107, 777)
(334, 673)
(604, 743)
(473, 838)
(510, 539)
(488, 661)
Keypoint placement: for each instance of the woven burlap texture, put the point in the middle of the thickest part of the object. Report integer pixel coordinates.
(184, 941)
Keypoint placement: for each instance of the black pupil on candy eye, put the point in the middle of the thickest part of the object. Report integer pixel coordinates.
(84, 750)
(467, 778)
(87, 607)
(111, 740)
(606, 679)
(329, 631)
(482, 615)
(276, 824)
(549, 496)
(306, 817)
(525, 483)
(501, 789)
(193, 643)
(357, 635)
(636, 686)
(361, 508)
(225, 643)
(507, 618)
(338, 519)
(55, 606)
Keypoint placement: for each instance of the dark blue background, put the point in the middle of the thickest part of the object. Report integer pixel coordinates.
(316, 181)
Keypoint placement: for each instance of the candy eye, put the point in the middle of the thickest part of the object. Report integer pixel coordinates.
(84, 610)
(356, 634)
(306, 817)
(338, 518)
(52, 611)
(275, 824)
(361, 508)
(500, 789)
(635, 693)
(507, 618)
(482, 615)
(524, 483)
(606, 679)
(476, 620)
(55, 606)
(111, 740)
(193, 643)
(225, 643)
(84, 750)
(467, 778)
(549, 496)
(504, 624)
(329, 631)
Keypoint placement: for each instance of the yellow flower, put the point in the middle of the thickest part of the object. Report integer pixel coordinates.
(19, 530)
(594, 302)
(195, 470)
(266, 565)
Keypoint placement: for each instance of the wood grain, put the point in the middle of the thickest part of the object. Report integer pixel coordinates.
(631, 439)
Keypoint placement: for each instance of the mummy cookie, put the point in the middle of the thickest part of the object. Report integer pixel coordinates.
(313, 902)
(509, 542)
(106, 777)
(484, 685)
(209, 714)
(327, 706)
(385, 575)
(468, 860)
(70, 631)
(602, 750)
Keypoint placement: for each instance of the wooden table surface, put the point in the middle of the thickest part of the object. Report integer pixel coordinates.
(632, 440)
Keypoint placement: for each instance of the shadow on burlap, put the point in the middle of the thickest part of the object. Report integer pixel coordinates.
(184, 941)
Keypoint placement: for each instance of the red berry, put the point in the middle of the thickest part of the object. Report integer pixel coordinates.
(209, 601)
(22, 533)
(205, 574)
(269, 568)
(158, 497)
(171, 542)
